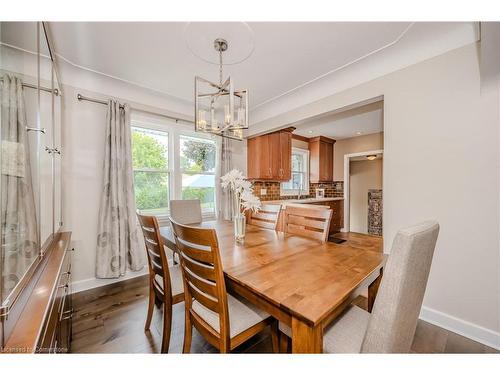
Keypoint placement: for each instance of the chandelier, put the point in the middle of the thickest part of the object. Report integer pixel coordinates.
(219, 108)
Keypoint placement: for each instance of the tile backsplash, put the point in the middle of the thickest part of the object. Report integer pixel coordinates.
(332, 189)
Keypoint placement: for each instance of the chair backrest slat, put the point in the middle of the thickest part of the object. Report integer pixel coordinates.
(202, 273)
(202, 269)
(186, 211)
(397, 307)
(206, 286)
(157, 259)
(308, 222)
(267, 217)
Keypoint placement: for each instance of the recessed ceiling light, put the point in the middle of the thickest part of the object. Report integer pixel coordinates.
(310, 131)
(371, 157)
(359, 133)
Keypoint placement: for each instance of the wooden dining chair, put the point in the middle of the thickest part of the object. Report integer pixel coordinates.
(391, 325)
(308, 222)
(165, 283)
(223, 320)
(267, 217)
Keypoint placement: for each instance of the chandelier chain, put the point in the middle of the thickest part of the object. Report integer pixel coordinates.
(220, 67)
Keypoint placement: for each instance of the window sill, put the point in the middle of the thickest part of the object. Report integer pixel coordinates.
(291, 193)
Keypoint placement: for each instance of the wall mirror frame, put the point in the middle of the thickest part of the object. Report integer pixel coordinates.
(27, 59)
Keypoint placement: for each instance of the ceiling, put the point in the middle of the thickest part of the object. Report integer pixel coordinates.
(361, 120)
(156, 55)
(270, 59)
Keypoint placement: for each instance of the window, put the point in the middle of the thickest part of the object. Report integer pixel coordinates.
(171, 161)
(300, 174)
(197, 163)
(151, 173)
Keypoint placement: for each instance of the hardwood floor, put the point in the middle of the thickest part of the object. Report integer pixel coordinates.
(111, 319)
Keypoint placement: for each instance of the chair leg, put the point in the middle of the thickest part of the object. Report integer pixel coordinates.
(284, 341)
(151, 304)
(188, 332)
(167, 325)
(275, 336)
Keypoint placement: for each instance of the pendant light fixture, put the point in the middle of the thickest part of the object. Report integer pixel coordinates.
(219, 108)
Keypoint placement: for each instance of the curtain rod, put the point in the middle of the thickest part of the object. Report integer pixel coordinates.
(55, 91)
(80, 97)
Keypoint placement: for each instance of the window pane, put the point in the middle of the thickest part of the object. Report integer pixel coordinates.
(197, 155)
(149, 149)
(297, 162)
(202, 187)
(151, 191)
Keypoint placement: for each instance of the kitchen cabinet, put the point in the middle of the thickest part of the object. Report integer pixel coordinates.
(269, 156)
(321, 159)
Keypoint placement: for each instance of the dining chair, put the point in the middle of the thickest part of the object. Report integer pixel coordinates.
(225, 321)
(391, 325)
(165, 283)
(186, 211)
(267, 217)
(308, 222)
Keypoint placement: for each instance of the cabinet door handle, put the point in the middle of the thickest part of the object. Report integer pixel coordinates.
(41, 130)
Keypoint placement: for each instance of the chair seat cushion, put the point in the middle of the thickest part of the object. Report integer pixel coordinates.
(242, 315)
(345, 334)
(177, 284)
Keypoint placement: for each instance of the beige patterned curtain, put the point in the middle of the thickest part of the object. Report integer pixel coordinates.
(19, 230)
(224, 200)
(117, 238)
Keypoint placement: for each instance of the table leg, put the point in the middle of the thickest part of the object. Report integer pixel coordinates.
(373, 290)
(306, 338)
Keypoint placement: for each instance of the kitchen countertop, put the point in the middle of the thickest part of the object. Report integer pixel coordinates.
(305, 201)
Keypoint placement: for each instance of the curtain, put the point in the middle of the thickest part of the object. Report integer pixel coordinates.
(117, 238)
(19, 230)
(224, 198)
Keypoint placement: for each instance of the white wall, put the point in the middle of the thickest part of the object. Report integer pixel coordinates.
(441, 142)
(368, 142)
(363, 176)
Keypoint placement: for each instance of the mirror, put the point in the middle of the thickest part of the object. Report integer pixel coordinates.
(19, 231)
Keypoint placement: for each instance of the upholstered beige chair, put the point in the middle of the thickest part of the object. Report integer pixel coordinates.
(186, 211)
(391, 325)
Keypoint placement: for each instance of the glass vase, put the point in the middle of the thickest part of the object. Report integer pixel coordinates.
(239, 227)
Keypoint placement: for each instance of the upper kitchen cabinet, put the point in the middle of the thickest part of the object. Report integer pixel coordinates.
(269, 156)
(321, 159)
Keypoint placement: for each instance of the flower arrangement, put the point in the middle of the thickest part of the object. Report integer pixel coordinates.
(243, 191)
(244, 200)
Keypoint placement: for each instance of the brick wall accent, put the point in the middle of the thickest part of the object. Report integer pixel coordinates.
(332, 189)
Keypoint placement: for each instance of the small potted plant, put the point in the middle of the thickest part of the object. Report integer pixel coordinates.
(243, 200)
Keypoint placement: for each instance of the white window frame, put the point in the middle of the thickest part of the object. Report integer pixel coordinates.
(174, 131)
(305, 191)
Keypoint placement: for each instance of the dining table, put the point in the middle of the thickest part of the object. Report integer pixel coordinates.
(302, 282)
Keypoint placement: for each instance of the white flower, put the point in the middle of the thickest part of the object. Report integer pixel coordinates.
(231, 179)
(250, 201)
(242, 186)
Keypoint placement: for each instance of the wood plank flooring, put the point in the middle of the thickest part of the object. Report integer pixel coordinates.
(111, 319)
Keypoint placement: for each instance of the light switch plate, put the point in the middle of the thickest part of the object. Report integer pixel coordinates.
(263, 191)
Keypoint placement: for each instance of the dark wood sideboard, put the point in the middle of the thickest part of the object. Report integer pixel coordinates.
(44, 324)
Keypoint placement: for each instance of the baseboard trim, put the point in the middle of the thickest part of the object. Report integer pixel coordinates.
(470, 330)
(81, 285)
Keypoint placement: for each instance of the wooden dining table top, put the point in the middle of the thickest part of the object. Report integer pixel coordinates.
(306, 278)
